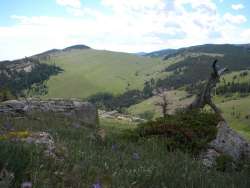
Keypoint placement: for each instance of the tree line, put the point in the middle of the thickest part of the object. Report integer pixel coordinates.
(16, 82)
(232, 87)
(109, 101)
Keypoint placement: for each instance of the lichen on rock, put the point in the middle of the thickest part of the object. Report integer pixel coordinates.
(227, 142)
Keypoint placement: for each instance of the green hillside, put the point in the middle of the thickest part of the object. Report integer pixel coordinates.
(176, 98)
(88, 71)
(237, 76)
(237, 112)
(236, 109)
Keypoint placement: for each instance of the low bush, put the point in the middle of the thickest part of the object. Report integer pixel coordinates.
(148, 115)
(225, 163)
(17, 158)
(186, 130)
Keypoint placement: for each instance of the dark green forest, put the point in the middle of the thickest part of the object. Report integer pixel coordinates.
(191, 71)
(14, 81)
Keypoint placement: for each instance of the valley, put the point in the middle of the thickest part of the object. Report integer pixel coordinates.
(88, 71)
(125, 94)
(46, 135)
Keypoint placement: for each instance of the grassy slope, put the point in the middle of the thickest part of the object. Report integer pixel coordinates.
(90, 71)
(229, 77)
(117, 161)
(232, 108)
(236, 103)
(236, 108)
(176, 99)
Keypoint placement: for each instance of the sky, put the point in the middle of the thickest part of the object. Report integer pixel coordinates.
(28, 27)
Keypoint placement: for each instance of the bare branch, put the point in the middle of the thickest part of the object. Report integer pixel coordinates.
(164, 104)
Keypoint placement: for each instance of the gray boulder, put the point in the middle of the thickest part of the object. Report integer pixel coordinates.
(227, 142)
(209, 157)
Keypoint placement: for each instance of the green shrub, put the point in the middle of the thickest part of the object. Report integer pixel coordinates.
(148, 115)
(224, 163)
(17, 158)
(188, 131)
(5, 94)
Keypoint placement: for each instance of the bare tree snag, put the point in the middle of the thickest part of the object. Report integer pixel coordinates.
(163, 104)
(205, 96)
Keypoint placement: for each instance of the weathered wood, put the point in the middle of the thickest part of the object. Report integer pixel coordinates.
(164, 104)
(205, 96)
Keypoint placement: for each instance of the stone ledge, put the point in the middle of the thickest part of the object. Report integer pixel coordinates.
(84, 112)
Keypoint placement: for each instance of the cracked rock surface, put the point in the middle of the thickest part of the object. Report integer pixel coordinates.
(227, 142)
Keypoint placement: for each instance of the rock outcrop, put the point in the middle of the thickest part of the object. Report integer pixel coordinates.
(42, 139)
(84, 112)
(118, 116)
(6, 177)
(227, 142)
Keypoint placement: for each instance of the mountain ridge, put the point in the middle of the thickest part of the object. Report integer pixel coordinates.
(165, 53)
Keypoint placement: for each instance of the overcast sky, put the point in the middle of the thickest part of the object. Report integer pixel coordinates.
(28, 27)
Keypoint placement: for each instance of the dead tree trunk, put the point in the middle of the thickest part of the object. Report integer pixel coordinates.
(163, 104)
(205, 96)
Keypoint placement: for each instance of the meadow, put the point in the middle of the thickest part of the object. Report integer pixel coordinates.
(117, 158)
(113, 155)
(236, 108)
(87, 72)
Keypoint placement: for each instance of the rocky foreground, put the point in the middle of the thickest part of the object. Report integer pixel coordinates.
(227, 142)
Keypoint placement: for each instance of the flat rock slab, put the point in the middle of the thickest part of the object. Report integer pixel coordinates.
(84, 112)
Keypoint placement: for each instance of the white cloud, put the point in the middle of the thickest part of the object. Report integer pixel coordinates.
(131, 26)
(70, 3)
(237, 6)
(197, 4)
(246, 34)
(132, 5)
(234, 19)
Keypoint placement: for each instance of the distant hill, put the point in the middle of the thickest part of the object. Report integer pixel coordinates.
(193, 64)
(45, 55)
(206, 48)
(88, 71)
(161, 53)
(211, 48)
(25, 64)
(20, 75)
(85, 71)
(245, 45)
(76, 47)
(141, 53)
